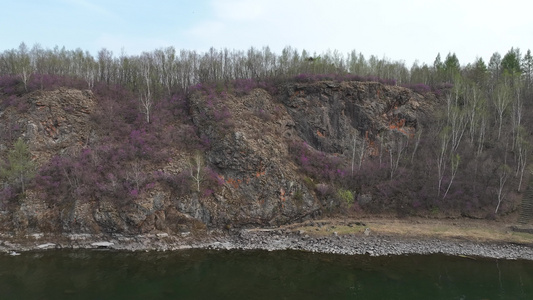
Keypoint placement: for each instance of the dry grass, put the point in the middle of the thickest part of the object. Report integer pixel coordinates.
(472, 230)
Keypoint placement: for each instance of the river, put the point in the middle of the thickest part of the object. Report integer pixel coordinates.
(205, 274)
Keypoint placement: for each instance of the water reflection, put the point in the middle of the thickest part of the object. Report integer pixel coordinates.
(196, 274)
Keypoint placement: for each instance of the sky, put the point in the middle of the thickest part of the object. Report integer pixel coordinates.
(408, 30)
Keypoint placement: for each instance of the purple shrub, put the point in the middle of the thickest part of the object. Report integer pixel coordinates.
(205, 88)
(391, 82)
(169, 109)
(304, 78)
(213, 179)
(7, 195)
(11, 85)
(134, 193)
(89, 175)
(51, 178)
(21, 104)
(50, 82)
(442, 88)
(207, 193)
(418, 88)
(215, 115)
(317, 164)
(245, 86)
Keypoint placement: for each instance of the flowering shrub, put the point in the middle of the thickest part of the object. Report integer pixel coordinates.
(442, 88)
(215, 114)
(85, 177)
(317, 164)
(7, 195)
(49, 82)
(11, 85)
(245, 86)
(418, 88)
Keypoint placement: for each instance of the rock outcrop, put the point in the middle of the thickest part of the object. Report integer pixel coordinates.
(328, 115)
(261, 185)
(247, 146)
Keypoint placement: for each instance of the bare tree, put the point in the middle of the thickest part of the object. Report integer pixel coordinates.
(146, 99)
(353, 151)
(396, 147)
(523, 147)
(418, 136)
(518, 109)
(136, 175)
(362, 150)
(482, 133)
(444, 140)
(105, 65)
(381, 142)
(455, 161)
(502, 100)
(25, 68)
(196, 166)
(90, 70)
(458, 121)
(474, 104)
(503, 174)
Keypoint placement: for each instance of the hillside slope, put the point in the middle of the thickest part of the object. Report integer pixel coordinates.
(213, 160)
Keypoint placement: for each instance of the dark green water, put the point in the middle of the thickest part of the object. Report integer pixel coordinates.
(200, 274)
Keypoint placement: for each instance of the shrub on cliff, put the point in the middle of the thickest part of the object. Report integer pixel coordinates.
(19, 167)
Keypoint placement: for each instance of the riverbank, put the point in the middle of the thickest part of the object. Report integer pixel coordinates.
(376, 237)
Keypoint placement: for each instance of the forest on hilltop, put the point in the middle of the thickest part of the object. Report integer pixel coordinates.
(470, 157)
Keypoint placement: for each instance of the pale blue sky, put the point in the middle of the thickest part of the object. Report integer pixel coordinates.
(406, 30)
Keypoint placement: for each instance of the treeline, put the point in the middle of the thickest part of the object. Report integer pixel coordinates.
(165, 71)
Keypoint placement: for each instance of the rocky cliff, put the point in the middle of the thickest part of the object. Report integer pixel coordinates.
(329, 114)
(243, 173)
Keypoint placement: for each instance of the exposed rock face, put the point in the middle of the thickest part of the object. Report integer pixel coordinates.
(247, 146)
(261, 185)
(329, 114)
(54, 122)
(58, 121)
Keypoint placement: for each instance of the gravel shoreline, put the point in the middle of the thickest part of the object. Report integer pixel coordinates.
(271, 240)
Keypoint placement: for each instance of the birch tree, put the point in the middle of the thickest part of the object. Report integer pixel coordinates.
(527, 67)
(196, 170)
(503, 174)
(458, 121)
(396, 146)
(502, 99)
(24, 66)
(474, 105)
(146, 99)
(522, 148)
(482, 131)
(444, 140)
(517, 113)
(418, 136)
(353, 151)
(454, 164)
(362, 150)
